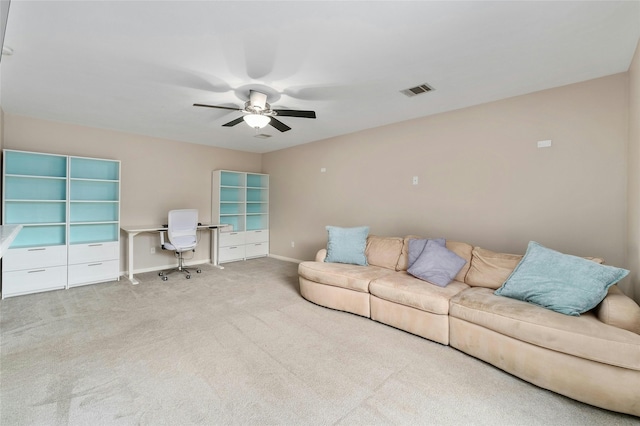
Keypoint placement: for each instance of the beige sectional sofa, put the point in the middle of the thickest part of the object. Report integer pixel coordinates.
(593, 358)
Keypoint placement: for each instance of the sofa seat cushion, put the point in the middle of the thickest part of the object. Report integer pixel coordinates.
(584, 336)
(404, 289)
(352, 277)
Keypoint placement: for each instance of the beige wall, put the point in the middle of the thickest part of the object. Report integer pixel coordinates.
(633, 243)
(481, 177)
(157, 175)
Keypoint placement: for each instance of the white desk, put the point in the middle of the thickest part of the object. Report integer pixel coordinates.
(132, 231)
(8, 233)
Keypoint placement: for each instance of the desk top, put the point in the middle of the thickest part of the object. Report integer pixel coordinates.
(158, 228)
(8, 233)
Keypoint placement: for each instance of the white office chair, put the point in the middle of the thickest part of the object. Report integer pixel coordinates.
(182, 233)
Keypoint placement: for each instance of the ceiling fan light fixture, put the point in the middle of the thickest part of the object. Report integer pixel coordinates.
(257, 121)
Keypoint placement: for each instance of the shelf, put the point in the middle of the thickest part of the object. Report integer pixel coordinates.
(93, 233)
(35, 188)
(257, 181)
(93, 211)
(94, 190)
(27, 212)
(234, 179)
(40, 236)
(34, 164)
(92, 168)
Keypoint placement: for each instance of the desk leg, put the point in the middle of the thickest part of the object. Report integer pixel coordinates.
(214, 248)
(130, 256)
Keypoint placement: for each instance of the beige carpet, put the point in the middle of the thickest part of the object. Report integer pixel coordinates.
(241, 346)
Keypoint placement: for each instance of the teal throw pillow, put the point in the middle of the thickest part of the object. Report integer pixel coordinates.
(347, 245)
(567, 284)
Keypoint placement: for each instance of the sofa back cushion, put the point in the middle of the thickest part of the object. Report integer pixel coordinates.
(490, 269)
(461, 249)
(383, 251)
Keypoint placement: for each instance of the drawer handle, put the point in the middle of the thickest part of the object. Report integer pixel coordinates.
(259, 244)
(94, 264)
(257, 232)
(95, 245)
(37, 249)
(232, 248)
(37, 270)
(233, 233)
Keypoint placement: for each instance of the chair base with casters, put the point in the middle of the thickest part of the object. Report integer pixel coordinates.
(181, 266)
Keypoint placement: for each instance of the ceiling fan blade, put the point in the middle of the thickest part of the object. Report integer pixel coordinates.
(295, 113)
(279, 125)
(217, 106)
(234, 122)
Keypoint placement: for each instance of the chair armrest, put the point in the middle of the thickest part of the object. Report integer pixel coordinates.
(321, 255)
(619, 310)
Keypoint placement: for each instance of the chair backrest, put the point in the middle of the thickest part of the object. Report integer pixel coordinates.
(183, 225)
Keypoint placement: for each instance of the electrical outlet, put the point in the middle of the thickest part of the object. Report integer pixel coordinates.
(415, 180)
(152, 250)
(293, 244)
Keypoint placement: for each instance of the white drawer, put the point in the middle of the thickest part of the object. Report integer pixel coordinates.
(94, 272)
(85, 253)
(231, 253)
(231, 239)
(256, 249)
(34, 258)
(261, 236)
(15, 283)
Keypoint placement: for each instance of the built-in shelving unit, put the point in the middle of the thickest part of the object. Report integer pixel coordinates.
(240, 200)
(69, 208)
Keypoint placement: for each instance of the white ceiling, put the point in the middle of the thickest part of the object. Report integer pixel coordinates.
(139, 66)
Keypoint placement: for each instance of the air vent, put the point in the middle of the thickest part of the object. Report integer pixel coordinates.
(423, 88)
(262, 136)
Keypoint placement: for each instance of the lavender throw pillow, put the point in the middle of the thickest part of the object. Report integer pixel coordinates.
(417, 245)
(436, 264)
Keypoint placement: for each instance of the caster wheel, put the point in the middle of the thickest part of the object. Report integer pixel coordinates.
(160, 274)
(188, 277)
(199, 270)
(165, 278)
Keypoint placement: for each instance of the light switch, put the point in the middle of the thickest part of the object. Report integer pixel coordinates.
(544, 144)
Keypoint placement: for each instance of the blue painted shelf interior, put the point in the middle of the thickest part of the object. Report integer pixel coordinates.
(93, 233)
(90, 168)
(34, 188)
(257, 194)
(256, 222)
(257, 207)
(93, 212)
(30, 164)
(231, 194)
(230, 208)
(236, 222)
(38, 236)
(232, 179)
(30, 212)
(94, 190)
(257, 181)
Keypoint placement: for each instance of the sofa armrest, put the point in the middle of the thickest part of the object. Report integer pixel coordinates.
(619, 310)
(320, 256)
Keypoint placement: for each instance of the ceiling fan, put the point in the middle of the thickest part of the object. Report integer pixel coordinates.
(257, 113)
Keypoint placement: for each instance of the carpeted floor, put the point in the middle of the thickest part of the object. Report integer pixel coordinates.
(241, 346)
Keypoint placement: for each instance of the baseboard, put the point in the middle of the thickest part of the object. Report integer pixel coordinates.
(286, 259)
(163, 267)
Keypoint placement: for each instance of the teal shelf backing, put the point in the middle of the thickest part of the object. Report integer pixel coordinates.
(231, 194)
(26, 163)
(38, 236)
(257, 181)
(257, 194)
(231, 179)
(236, 222)
(255, 222)
(94, 190)
(93, 233)
(89, 168)
(19, 212)
(231, 208)
(93, 212)
(257, 207)
(24, 188)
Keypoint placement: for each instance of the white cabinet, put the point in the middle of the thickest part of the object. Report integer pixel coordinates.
(69, 208)
(240, 200)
